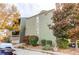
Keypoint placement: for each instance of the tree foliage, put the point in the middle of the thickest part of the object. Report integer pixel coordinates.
(9, 17)
(66, 20)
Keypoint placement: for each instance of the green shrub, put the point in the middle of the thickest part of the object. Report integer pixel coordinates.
(47, 47)
(62, 43)
(43, 42)
(46, 42)
(33, 40)
(49, 42)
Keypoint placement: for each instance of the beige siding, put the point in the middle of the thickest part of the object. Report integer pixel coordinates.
(44, 31)
(31, 26)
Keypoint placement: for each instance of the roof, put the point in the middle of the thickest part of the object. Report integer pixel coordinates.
(42, 12)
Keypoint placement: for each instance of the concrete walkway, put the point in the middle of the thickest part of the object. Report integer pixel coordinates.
(28, 52)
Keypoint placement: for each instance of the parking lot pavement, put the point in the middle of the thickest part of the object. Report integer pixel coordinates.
(28, 52)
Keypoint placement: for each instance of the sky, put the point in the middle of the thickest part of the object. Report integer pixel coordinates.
(28, 8)
(34, 7)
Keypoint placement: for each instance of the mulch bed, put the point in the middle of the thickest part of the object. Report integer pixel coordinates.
(34, 47)
(72, 51)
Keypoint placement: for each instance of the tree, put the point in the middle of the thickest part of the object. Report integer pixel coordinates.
(9, 17)
(66, 20)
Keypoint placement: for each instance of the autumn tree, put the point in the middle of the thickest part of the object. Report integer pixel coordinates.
(9, 17)
(66, 21)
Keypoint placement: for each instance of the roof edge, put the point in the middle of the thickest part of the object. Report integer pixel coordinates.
(40, 13)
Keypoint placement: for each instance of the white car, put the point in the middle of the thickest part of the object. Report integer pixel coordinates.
(4, 45)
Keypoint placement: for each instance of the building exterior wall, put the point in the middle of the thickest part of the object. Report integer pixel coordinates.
(38, 25)
(44, 31)
(22, 28)
(31, 26)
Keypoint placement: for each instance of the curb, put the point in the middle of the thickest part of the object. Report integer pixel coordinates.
(48, 52)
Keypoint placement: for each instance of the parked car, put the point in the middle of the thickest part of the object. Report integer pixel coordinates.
(6, 49)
